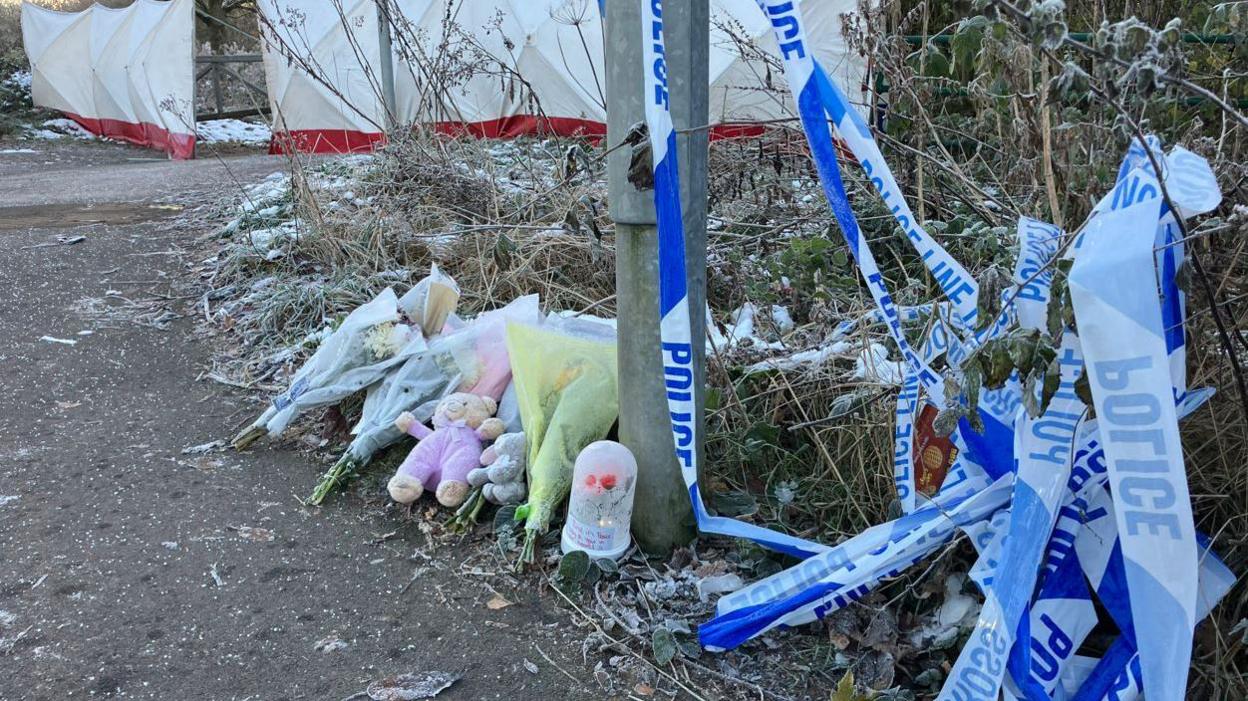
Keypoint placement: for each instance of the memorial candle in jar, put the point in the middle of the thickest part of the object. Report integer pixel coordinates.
(600, 507)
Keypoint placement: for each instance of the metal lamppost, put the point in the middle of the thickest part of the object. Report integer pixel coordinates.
(662, 516)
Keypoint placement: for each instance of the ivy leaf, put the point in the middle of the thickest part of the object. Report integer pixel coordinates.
(1083, 390)
(505, 519)
(1052, 381)
(663, 645)
(574, 567)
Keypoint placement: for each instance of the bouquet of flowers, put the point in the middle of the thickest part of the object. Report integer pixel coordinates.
(361, 351)
(470, 359)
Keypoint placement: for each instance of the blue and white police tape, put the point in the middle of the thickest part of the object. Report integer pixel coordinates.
(1033, 274)
(675, 330)
(1042, 454)
(1043, 450)
(1118, 675)
(1193, 189)
(875, 316)
(1061, 614)
(817, 99)
(829, 581)
(1113, 281)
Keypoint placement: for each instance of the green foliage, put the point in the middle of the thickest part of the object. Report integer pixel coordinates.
(663, 646)
(577, 569)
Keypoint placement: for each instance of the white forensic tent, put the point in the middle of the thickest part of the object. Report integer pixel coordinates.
(125, 73)
(501, 68)
(321, 67)
(552, 51)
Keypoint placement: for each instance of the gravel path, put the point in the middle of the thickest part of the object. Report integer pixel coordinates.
(131, 569)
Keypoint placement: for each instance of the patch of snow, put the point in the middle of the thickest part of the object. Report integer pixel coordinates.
(782, 319)
(215, 131)
(61, 127)
(21, 79)
(170, 545)
(271, 239)
(8, 151)
(740, 329)
(813, 358)
(5, 500)
(873, 365)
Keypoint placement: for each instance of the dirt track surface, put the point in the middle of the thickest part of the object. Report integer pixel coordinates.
(131, 569)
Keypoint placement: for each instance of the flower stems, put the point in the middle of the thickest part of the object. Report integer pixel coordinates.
(248, 435)
(466, 516)
(333, 478)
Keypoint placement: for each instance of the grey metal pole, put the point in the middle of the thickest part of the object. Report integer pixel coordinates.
(688, 65)
(387, 63)
(662, 517)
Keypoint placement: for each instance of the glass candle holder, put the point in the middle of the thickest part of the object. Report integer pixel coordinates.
(600, 508)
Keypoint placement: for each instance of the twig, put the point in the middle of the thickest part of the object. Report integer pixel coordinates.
(554, 664)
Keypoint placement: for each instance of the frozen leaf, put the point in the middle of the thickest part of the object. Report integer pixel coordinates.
(690, 649)
(845, 689)
(607, 565)
(946, 421)
(996, 364)
(530, 667)
(663, 645)
(410, 687)
(965, 45)
(1052, 381)
(1083, 390)
(736, 504)
(991, 283)
(497, 602)
(573, 567)
(1031, 398)
(505, 519)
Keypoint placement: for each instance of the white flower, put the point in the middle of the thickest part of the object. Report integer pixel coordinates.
(386, 340)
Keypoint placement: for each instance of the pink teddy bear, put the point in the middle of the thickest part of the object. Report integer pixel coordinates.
(447, 453)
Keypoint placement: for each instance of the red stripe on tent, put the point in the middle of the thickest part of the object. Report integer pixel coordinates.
(178, 146)
(324, 141)
(524, 125)
(342, 141)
